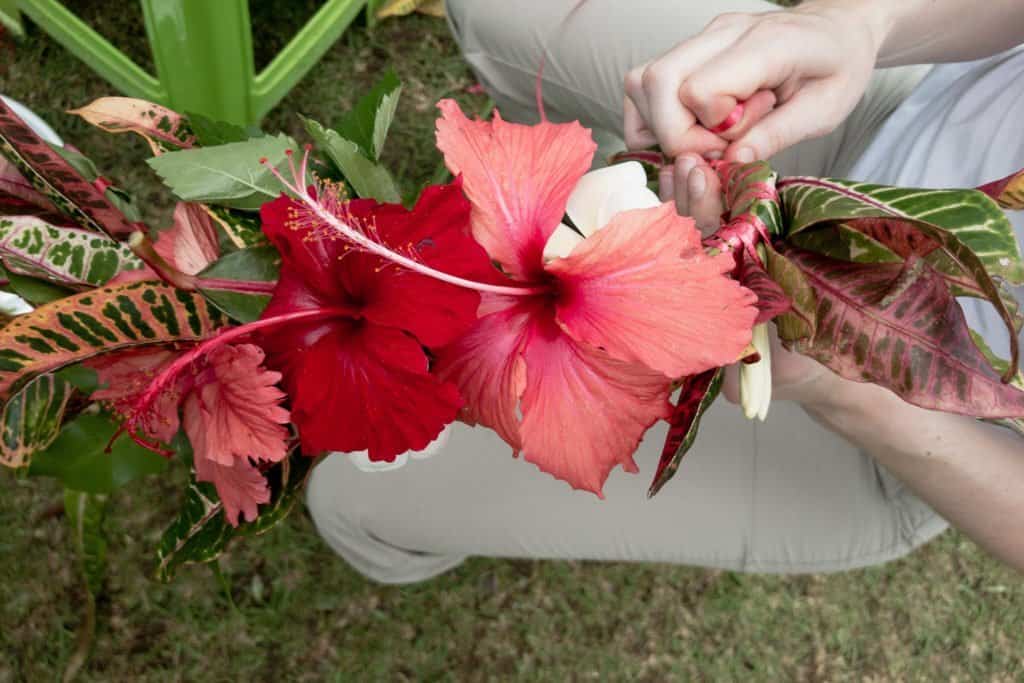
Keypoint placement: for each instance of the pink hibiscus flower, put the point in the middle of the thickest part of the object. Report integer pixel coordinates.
(572, 374)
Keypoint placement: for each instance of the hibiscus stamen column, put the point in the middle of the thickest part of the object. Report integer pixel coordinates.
(359, 239)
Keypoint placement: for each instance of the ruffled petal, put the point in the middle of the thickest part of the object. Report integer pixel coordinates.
(365, 387)
(240, 486)
(518, 179)
(487, 366)
(234, 412)
(644, 290)
(583, 411)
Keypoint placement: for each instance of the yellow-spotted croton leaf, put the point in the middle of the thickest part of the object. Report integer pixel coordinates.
(72, 329)
(162, 128)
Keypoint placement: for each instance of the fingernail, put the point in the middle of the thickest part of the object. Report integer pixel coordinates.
(696, 184)
(745, 155)
(713, 155)
(687, 164)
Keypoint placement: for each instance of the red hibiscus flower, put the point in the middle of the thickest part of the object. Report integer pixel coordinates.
(575, 372)
(361, 380)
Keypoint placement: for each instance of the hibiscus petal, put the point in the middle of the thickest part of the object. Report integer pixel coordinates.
(234, 413)
(518, 179)
(644, 290)
(487, 367)
(124, 376)
(190, 244)
(367, 388)
(583, 411)
(594, 189)
(240, 486)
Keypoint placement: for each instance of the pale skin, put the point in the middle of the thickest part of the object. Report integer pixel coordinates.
(801, 72)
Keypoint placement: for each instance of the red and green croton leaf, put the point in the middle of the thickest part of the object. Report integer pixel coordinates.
(78, 327)
(162, 128)
(962, 234)
(68, 256)
(1008, 192)
(83, 200)
(751, 194)
(696, 395)
(898, 326)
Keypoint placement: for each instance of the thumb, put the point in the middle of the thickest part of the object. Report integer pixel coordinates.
(799, 119)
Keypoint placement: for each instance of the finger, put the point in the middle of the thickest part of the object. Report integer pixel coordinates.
(754, 109)
(666, 183)
(682, 167)
(637, 135)
(801, 118)
(706, 207)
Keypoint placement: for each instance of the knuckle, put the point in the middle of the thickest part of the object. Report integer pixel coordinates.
(693, 92)
(653, 78)
(728, 19)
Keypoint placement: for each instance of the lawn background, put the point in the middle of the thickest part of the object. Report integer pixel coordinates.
(297, 613)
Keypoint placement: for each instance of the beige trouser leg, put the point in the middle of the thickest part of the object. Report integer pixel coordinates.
(783, 496)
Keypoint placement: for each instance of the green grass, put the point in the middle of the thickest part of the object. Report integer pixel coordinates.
(297, 613)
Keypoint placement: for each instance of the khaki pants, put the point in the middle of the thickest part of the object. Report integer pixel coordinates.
(783, 496)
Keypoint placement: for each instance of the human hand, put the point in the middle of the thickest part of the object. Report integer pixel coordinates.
(800, 72)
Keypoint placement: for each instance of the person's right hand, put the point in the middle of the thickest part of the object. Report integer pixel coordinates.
(812, 63)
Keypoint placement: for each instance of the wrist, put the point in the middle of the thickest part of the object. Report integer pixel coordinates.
(876, 18)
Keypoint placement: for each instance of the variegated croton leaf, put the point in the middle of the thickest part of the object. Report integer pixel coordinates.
(72, 329)
(163, 129)
(697, 393)
(961, 234)
(68, 256)
(83, 200)
(898, 326)
(31, 419)
(201, 533)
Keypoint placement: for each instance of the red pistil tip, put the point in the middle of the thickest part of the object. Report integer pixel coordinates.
(289, 152)
(263, 160)
(307, 147)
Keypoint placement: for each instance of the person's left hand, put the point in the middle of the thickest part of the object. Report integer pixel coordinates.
(698, 193)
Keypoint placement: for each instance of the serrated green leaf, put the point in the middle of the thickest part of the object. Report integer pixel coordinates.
(77, 457)
(230, 175)
(210, 132)
(367, 178)
(30, 420)
(368, 122)
(78, 327)
(257, 264)
(66, 256)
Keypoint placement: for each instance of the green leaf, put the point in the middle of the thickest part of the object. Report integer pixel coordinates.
(258, 264)
(30, 420)
(77, 458)
(368, 122)
(750, 194)
(845, 243)
(970, 217)
(898, 326)
(210, 132)
(367, 178)
(201, 533)
(82, 378)
(696, 395)
(67, 256)
(230, 175)
(78, 327)
(798, 323)
(85, 513)
(36, 292)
